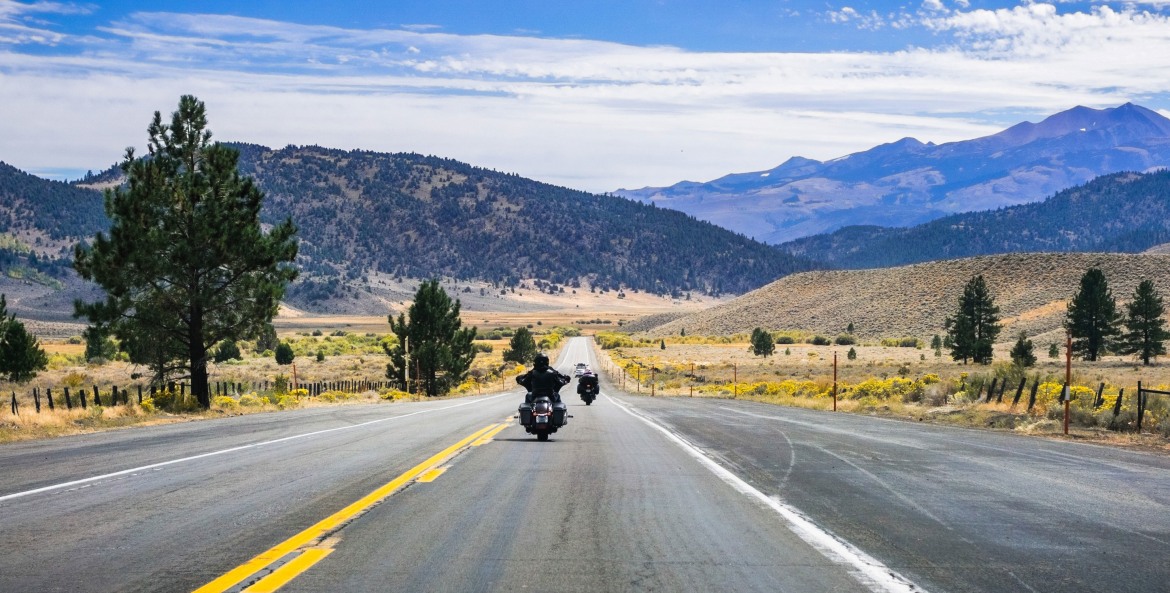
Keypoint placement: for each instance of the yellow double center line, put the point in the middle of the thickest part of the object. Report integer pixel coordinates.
(309, 555)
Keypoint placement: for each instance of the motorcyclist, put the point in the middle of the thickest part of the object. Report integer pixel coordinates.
(587, 383)
(543, 380)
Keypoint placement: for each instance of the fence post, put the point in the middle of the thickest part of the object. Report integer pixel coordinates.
(49, 397)
(1019, 391)
(81, 394)
(37, 399)
(1141, 407)
(991, 390)
(1100, 396)
(97, 398)
(14, 412)
(1032, 397)
(1117, 404)
(140, 394)
(68, 403)
(114, 396)
(1002, 387)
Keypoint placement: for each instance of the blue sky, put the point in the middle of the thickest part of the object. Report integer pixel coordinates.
(591, 95)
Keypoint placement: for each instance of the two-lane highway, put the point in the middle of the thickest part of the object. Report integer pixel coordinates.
(635, 494)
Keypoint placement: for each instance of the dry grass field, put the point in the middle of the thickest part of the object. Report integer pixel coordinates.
(1031, 290)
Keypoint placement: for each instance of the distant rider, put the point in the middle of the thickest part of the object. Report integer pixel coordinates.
(543, 380)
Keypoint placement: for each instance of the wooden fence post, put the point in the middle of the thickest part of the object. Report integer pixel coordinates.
(14, 412)
(140, 394)
(81, 394)
(68, 403)
(1032, 397)
(1002, 387)
(991, 390)
(97, 398)
(1019, 391)
(1117, 404)
(1141, 406)
(1100, 397)
(49, 397)
(37, 399)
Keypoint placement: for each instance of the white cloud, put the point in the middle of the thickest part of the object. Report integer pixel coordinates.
(588, 114)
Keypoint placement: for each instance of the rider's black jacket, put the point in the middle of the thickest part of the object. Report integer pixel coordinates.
(544, 382)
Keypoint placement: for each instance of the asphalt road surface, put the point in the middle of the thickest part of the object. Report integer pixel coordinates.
(635, 494)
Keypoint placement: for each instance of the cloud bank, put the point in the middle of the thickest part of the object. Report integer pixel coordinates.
(583, 113)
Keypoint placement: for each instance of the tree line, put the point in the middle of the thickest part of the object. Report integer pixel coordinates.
(1093, 322)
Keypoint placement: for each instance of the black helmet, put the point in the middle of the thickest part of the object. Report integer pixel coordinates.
(540, 362)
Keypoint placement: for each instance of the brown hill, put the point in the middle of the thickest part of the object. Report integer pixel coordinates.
(1032, 291)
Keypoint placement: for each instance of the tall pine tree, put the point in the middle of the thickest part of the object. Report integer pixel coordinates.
(975, 325)
(1145, 330)
(521, 348)
(186, 263)
(441, 350)
(1093, 320)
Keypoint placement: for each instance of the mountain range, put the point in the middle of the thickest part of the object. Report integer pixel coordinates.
(908, 182)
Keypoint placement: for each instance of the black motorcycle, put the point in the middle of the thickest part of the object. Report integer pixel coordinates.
(587, 388)
(543, 417)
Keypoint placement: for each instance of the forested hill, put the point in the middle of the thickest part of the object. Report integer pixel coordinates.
(422, 216)
(419, 217)
(1122, 212)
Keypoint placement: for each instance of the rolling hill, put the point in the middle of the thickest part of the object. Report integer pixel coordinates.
(1122, 212)
(363, 213)
(913, 301)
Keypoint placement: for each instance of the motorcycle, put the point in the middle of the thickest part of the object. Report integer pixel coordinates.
(587, 388)
(543, 417)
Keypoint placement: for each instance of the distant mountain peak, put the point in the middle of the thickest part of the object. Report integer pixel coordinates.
(908, 182)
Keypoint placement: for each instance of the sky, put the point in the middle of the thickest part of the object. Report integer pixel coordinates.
(592, 95)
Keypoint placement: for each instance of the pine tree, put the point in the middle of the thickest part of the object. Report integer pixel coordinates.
(186, 263)
(227, 350)
(441, 350)
(1022, 353)
(284, 353)
(852, 354)
(975, 325)
(1146, 332)
(762, 343)
(1093, 320)
(21, 356)
(522, 347)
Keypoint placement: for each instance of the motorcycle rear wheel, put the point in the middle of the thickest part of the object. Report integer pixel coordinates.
(542, 436)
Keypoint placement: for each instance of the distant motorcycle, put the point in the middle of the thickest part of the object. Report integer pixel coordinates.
(543, 417)
(587, 388)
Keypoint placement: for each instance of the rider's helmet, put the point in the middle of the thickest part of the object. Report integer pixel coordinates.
(540, 362)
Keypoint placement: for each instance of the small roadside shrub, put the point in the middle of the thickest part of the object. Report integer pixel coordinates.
(250, 400)
(820, 341)
(845, 340)
(225, 402)
(147, 405)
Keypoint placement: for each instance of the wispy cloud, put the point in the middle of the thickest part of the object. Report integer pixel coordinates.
(585, 113)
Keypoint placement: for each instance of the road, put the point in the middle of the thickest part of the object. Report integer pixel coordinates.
(635, 494)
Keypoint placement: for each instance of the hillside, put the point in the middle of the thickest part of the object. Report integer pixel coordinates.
(909, 182)
(1030, 289)
(410, 215)
(1123, 212)
(364, 215)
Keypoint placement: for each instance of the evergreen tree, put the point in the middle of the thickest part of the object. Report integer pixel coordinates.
(284, 353)
(975, 325)
(762, 343)
(1022, 352)
(228, 350)
(1145, 333)
(852, 354)
(267, 339)
(1053, 350)
(1093, 319)
(21, 356)
(521, 348)
(441, 350)
(99, 348)
(663, 345)
(186, 263)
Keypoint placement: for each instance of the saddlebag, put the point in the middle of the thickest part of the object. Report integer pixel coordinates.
(560, 416)
(525, 414)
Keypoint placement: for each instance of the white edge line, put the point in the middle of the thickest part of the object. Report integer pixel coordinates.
(231, 450)
(865, 568)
